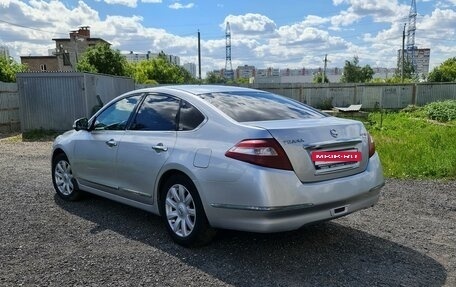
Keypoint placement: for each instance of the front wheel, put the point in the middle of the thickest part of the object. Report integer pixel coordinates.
(62, 178)
(183, 213)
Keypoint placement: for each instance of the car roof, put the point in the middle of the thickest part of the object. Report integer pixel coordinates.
(202, 89)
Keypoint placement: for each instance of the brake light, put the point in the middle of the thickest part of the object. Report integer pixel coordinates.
(263, 152)
(371, 144)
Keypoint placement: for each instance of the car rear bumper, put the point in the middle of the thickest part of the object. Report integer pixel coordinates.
(263, 219)
(284, 203)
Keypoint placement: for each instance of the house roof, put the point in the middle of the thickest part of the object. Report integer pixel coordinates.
(88, 39)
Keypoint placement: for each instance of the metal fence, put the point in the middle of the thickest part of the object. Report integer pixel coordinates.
(9, 108)
(55, 100)
(52, 101)
(370, 96)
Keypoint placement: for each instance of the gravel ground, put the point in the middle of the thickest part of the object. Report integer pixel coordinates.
(408, 239)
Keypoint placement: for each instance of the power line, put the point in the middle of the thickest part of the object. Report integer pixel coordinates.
(30, 28)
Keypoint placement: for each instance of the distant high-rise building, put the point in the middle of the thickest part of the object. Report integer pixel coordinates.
(138, 57)
(173, 59)
(245, 72)
(191, 68)
(420, 57)
(4, 52)
(133, 57)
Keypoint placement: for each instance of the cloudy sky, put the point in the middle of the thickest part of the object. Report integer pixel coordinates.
(279, 34)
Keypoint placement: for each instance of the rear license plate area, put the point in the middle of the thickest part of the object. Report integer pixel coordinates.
(324, 160)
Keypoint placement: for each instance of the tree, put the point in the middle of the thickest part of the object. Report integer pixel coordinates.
(318, 77)
(102, 59)
(159, 70)
(353, 73)
(215, 78)
(446, 72)
(9, 68)
(240, 81)
(409, 72)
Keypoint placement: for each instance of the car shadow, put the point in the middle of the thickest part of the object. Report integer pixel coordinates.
(326, 254)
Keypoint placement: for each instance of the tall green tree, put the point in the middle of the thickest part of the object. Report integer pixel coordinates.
(214, 78)
(102, 59)
(159, 70)
(409, 72)
(354, 73)
(9, 68)
(446, 72)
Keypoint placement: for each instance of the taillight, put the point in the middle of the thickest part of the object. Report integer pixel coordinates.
(263, 152)
(371, 145)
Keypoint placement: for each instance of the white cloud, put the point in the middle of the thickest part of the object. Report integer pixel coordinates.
(443, 4)
(378, 10)
(178, 5)
(256, 39)
(250, 24)
(312, 20)
(151, 1)
(128, 3)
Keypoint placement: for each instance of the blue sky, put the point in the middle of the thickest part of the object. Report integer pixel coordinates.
(279, 34)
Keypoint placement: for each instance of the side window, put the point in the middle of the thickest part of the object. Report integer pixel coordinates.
(190, 117)
(158, 112)
(116, 116)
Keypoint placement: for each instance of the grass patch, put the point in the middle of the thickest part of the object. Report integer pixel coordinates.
(39, 135)
(11, 137)
(412, 146)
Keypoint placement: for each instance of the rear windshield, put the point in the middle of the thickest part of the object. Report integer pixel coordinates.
(259, 106)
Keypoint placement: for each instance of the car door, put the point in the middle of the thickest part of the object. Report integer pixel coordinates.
(95, 154)
(146, 146)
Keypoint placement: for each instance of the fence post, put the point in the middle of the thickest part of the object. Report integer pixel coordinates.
(414, 94)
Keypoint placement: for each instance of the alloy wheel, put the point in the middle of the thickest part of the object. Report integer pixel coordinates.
(180, 210)
(64, 177)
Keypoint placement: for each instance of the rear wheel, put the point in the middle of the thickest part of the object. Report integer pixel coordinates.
(183, 213)
(62, 178)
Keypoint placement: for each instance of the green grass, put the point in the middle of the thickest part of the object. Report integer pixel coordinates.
(39, 135)
(412, 146)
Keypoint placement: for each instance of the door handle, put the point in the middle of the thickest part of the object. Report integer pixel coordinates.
(111, 143)
(159, 148)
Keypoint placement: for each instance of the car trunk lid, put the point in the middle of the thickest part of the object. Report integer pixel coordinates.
(301, 138)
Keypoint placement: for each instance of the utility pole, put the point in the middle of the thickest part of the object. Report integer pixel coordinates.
(403, 54)
(324, 69)
(199, 55)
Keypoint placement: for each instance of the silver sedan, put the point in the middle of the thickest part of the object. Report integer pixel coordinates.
(208, 157)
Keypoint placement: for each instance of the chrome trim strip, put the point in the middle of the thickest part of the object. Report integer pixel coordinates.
(262, 208)
(136, 192)
(95, 184)
(336, 169)
(332, 143)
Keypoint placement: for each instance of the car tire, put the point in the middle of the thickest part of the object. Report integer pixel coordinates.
(183, 213)
(62, 178)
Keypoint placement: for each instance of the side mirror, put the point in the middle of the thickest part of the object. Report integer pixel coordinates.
(81, 124)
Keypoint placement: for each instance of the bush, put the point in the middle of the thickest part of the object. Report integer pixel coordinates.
(441, 111)
(325, 104)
